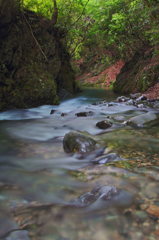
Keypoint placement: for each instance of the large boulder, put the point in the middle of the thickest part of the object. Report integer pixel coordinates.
(74, 142)
(34, 63)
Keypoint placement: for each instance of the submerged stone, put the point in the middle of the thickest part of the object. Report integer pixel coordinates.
(104, 124)
(18, 235)
(105, 192)
(77, 142)
(111, 157)
(104, 196)
(7, 224)
(91, 155)
(52, 111)
(63, 114)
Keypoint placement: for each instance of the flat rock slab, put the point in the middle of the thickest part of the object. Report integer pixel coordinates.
(142, 119)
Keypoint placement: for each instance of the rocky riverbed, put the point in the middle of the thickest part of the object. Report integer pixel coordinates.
(88, 170)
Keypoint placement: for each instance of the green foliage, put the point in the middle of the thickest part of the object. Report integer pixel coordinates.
(40, 6)
(120, 26)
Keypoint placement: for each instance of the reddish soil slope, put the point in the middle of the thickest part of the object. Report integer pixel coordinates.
(105, 78)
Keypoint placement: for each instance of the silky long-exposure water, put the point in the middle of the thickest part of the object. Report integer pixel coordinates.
(47, 194)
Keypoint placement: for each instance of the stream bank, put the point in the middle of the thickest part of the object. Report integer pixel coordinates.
(140, 73)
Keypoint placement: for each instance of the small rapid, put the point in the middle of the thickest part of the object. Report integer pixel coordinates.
(45, 191)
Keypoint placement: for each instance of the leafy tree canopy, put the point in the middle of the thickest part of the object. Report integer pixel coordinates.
(120, 26)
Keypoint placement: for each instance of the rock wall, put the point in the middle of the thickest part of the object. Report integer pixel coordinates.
(34, 64)
(140, 73)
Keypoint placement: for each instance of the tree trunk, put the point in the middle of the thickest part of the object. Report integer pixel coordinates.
(55, 13)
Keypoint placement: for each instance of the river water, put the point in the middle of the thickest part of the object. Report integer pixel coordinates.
(40, 184)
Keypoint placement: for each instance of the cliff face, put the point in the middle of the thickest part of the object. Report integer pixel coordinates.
(34, 64)
(140, 73)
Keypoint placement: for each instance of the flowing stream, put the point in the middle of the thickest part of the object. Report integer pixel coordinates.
(40, 184)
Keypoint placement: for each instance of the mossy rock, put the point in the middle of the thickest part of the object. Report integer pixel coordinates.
(148, 77)
(138, 74)
(76, 142)
(33, 69)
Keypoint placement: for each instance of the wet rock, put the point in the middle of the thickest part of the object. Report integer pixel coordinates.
(140, 120)
(122, 99)
(102, 192)
(76, 142)
(110, 105)
(104, 124)
(18, 235)
(130, 102)
(105, 192)
(7, 223)
(84, 114)
(104, 196)
(91, 155)
(111, 157)
(114, 198)
(63, 114)
(141, 98)
(141, 105)
(52, 111)
(100, 103)
(135, 95)
(86, 199)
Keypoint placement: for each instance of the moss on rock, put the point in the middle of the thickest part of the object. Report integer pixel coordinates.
(32, 64)
(138, 74)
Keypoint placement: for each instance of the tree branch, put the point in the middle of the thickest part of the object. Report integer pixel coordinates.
(36, 41)
(81, 13)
